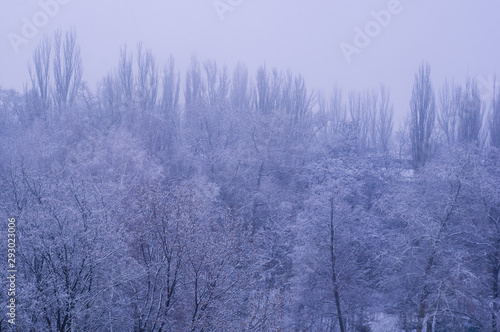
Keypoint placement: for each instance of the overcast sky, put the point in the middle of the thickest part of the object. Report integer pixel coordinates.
(328, 41)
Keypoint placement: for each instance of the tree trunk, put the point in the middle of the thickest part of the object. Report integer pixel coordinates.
(422, 308)
(334, 274)
(496, 293)
(494, 274)
(425, 292)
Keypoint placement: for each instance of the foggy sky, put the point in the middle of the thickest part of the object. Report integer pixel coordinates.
(458, 38)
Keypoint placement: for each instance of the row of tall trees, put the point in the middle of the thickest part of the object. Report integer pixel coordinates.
(458, 119)
(246, 202)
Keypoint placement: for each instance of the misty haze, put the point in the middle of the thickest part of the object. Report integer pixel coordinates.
(236, 165)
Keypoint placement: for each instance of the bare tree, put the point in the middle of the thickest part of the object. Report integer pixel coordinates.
(147, 80)
(110, 98)
(262, 92)
(239, 94)
(273, 91)
(422, 106)
(217, 83)
(330, 116)
(336, 108)
(470, 113)
(302, 100)
(39, 72)
(194, 91)
(10, 108)
(170, 90)
(495, 121)
(126, 76)
(384, 120)
(363, 112)
(450, 97)
(67, 65)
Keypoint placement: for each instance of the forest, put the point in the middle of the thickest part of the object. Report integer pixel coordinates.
(218, 199)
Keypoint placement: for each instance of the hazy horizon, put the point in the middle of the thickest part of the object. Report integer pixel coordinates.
(456, 39)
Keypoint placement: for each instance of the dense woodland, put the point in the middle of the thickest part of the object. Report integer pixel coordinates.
(223, 200)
